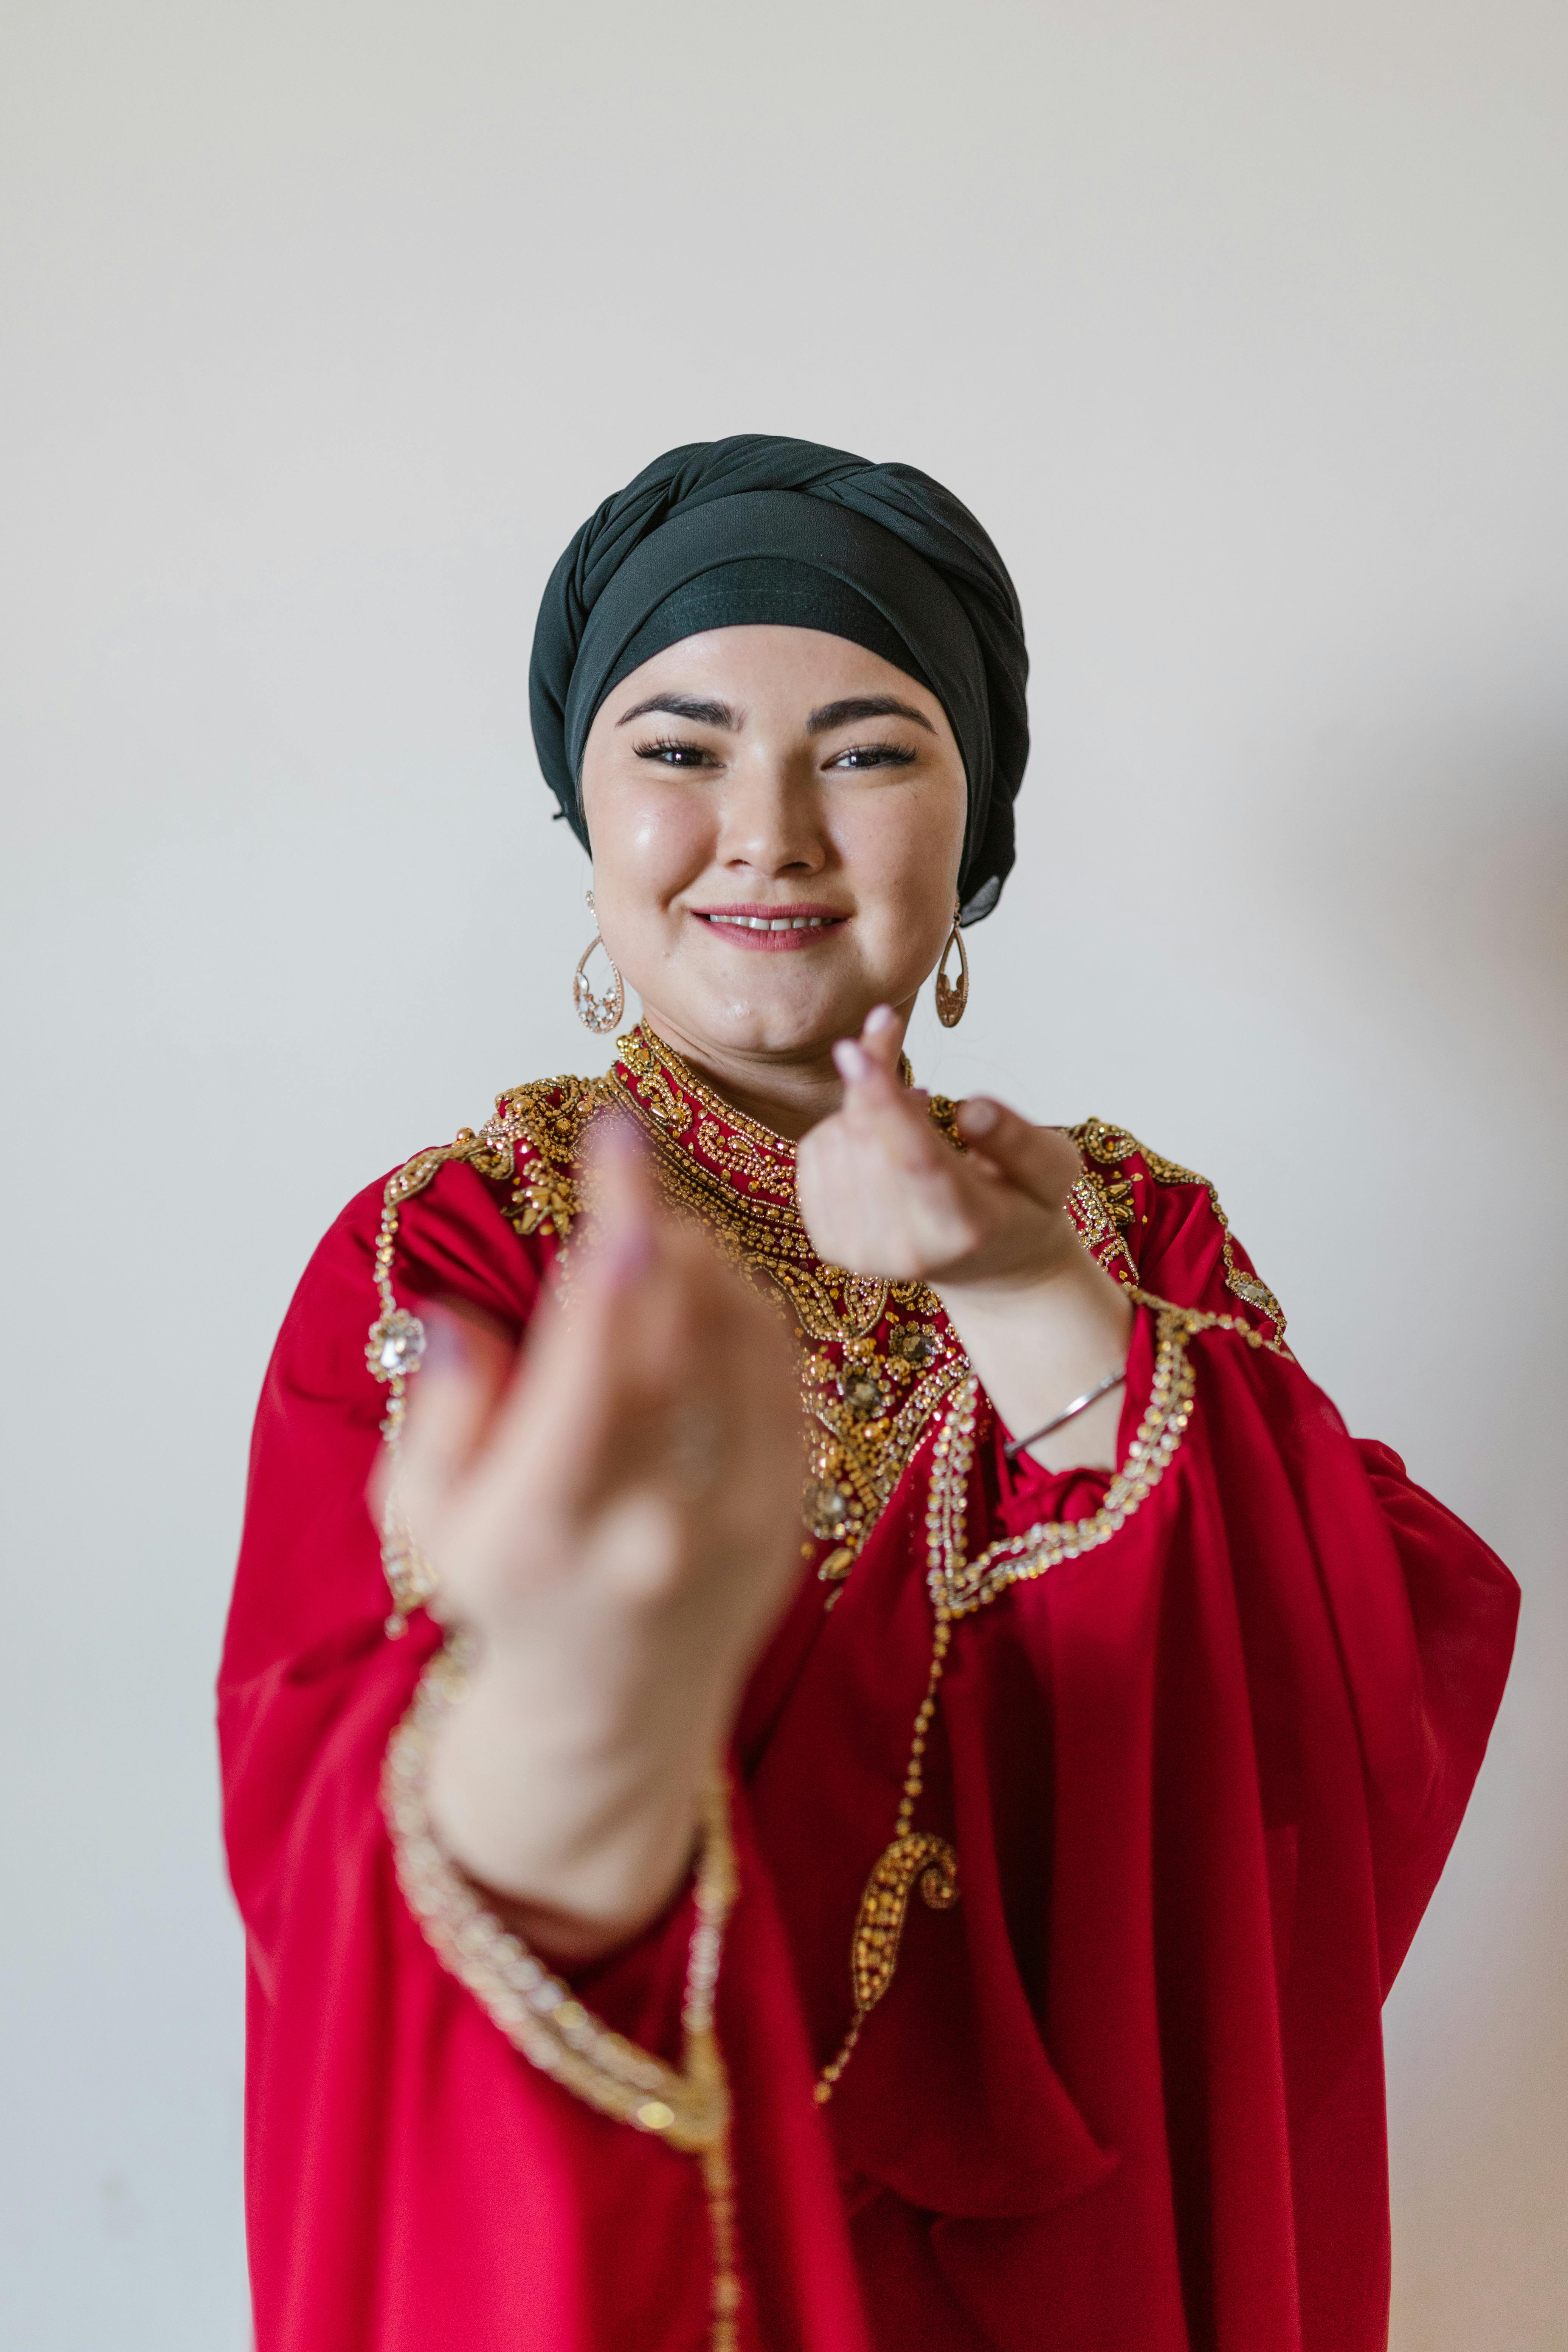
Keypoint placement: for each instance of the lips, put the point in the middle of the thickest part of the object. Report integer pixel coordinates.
(771, 927)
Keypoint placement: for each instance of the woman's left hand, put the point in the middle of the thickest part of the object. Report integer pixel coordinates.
(882, 1192)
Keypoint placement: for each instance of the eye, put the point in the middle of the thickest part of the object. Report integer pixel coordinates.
(875, 755)
(675, 751)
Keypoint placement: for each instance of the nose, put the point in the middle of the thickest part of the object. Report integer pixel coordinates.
(771, 819)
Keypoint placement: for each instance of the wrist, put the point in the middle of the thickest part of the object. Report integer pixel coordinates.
(545, 1791)
(1037, 1346)
(1053, 1260)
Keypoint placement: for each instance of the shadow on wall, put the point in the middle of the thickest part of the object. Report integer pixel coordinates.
(1445, 874)
(1438, 881)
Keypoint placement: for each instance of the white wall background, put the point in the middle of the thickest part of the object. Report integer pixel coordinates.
(1243, 327)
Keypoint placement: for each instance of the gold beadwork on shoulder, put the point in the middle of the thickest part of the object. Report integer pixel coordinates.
(1104, 1198)
(1095, 1210)
(536, 1133)
(394, 1348)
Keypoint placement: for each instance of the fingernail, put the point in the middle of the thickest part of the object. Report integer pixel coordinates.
(977, 1116)
(443, 1341)
(852, 1063)
(628, 1249)
(615, 1140)
(881, 1019)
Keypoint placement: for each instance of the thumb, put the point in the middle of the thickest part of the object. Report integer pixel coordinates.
(1040, 1160)
(466, 1366)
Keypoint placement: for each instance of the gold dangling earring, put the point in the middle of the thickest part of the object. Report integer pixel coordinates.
(950, 1001)
(599, 1014)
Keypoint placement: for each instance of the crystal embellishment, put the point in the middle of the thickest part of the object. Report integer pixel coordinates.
(395, 1344)
(828, 1510)
(911, 1345)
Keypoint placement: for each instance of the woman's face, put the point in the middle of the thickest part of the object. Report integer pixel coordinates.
(764, 776)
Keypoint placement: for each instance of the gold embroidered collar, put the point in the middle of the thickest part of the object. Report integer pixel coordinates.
(877, 1357)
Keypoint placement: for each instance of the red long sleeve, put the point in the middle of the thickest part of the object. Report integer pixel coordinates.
(413, 2185)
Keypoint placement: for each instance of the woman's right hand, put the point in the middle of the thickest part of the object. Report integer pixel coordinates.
(614, 1514)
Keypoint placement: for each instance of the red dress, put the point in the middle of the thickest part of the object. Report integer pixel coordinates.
(1202, 1736)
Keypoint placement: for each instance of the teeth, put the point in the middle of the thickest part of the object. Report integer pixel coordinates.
(774, 923)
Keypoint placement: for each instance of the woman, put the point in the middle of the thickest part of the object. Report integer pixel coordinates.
(932, 1888)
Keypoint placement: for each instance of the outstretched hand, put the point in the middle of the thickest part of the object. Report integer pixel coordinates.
(612, 1509)
(882, 1192)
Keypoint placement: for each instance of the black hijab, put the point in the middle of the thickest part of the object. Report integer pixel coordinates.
(757, 527)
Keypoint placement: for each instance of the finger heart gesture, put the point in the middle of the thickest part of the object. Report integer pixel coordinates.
(633, 1443)
(613, 1512)
(882, 1191)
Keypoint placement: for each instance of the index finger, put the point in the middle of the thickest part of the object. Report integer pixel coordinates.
(1043, 1161)
(882, 1037)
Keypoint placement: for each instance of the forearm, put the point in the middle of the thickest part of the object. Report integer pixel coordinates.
(573, 1801)
(1041, 1340)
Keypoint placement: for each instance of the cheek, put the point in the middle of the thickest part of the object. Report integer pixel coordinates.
(903, 848)
(648, 841)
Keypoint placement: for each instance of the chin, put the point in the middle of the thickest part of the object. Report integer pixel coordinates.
(761, 1020)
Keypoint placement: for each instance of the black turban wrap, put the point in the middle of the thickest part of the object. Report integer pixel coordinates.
(756, 527)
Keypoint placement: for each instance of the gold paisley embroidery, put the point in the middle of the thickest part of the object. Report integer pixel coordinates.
(879, 1929)
(884, 1906)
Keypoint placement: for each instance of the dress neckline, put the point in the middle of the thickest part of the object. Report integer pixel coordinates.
(681, 1074)
(722, 1145)
(663, 1085)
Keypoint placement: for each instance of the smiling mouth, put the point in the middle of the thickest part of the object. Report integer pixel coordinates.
(771, 927)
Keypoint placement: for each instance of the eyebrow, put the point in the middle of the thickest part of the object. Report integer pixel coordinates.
(822, 721)
(864, 706)
(684, 706)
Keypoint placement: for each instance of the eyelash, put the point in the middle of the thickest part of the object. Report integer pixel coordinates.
(693, 754)
(877, 755)
(675, 751)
